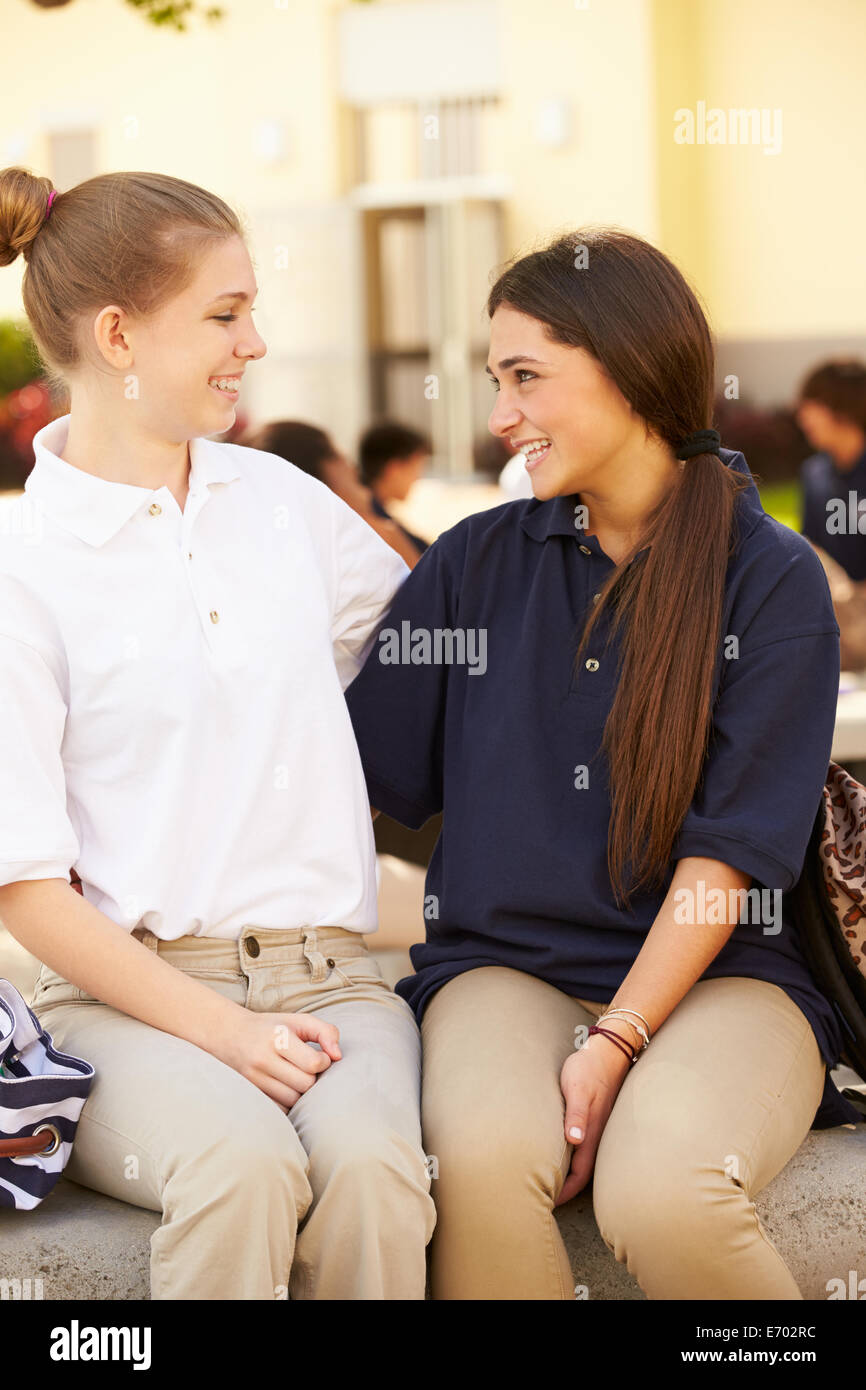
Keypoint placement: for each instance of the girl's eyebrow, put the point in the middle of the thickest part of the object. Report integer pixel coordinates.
(513, 361)
(230, 294)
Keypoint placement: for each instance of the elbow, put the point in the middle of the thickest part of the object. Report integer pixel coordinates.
(18, 898)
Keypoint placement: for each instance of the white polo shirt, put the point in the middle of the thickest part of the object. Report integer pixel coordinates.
(172, 720)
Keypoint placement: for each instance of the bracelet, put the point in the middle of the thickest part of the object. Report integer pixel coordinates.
(616, 1012)
(619, 1009)
(615, 1038)
(613, 1013)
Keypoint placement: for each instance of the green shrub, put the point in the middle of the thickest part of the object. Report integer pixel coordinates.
(19, 360)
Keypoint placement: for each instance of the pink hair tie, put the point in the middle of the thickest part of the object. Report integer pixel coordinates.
(51, 196)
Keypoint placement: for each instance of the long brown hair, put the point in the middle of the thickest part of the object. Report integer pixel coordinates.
(612, 293)
(131, 239)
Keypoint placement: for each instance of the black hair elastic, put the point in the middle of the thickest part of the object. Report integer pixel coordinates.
(701, 442)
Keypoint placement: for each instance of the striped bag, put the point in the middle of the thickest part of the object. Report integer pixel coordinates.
(42, 1092)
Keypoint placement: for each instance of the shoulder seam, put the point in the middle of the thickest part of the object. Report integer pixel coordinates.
(794, 637)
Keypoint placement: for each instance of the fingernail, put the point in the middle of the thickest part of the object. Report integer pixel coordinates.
(575, 1133)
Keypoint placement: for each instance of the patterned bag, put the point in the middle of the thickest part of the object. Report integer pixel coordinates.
(829, 908)
(42, 1092)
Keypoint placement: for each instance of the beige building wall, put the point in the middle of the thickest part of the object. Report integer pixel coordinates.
(251, 108)
(599, 60)
(247, 108)
(775, 241)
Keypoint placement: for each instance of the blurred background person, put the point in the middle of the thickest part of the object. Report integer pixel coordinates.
(392, 457)
(312, 450)
(831, 412)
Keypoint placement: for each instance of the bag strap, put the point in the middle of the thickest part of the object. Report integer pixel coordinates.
(31, 1143)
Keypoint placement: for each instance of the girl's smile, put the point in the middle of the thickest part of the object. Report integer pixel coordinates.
(533, 450)
(227, 386)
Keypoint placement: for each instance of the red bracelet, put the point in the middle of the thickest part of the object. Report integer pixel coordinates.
(615, 1038)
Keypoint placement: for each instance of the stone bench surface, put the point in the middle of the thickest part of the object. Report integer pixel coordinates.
(85, 1245)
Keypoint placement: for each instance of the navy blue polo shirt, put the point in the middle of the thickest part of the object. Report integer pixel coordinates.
(823, 480)
(491, 732)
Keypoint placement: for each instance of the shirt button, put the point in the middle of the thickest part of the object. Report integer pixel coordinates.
(591, 664)
(214, 616)
(586, 550)
(154, 509)
(596, 597)
(189, 555)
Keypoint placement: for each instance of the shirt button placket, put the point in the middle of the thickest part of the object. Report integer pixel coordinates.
(591, 663)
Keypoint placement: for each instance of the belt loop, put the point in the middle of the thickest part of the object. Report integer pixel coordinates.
(317, 963)
(146, 937)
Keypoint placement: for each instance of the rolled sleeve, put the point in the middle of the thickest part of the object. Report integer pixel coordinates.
(37, 839)
(767, 760)
(367, 574)
(397, 707)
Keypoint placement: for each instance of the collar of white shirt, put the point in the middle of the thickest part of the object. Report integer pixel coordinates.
(94, 509)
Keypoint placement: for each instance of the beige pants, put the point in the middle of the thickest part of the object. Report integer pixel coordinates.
(710, 1112)
(330, 1202)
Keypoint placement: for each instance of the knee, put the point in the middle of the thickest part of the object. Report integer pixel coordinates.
(372, 1164)
(657, 1198)
(266, 1167)
(485, 1168)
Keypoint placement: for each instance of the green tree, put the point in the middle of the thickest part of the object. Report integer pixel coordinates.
(173, 16)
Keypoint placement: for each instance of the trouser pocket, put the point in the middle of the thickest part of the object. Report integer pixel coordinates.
(52, 988)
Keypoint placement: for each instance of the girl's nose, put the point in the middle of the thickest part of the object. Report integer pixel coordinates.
(504, 417)
(254, 346)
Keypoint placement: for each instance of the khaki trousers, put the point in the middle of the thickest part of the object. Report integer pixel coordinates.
(331, 1201)
(710, 1112)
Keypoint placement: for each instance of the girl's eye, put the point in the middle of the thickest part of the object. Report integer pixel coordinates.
(521, 372)
(229, 318)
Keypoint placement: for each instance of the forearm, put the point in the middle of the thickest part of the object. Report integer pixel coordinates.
(391, 533)
(359, 498)
(676, 954)
(73, 937)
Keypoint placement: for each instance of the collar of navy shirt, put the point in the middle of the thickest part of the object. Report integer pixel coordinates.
(555, 517)
(95, 509)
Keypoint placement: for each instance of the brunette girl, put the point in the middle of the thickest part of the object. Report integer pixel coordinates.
(628, 789)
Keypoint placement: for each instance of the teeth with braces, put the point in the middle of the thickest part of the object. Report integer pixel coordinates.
(226, 383)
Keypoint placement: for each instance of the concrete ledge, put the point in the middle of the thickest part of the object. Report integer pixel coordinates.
(82, 1244)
